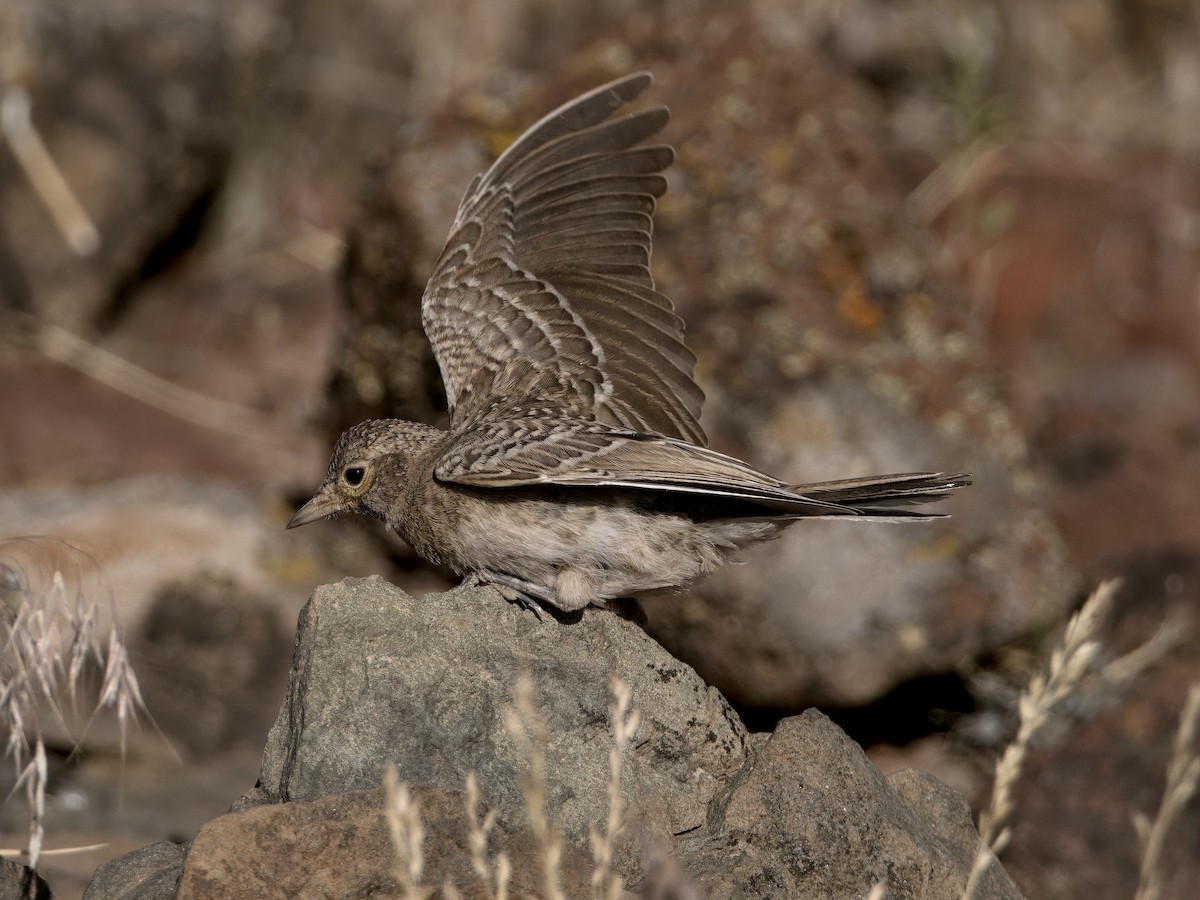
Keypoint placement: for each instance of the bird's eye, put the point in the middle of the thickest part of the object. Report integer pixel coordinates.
(354, 475)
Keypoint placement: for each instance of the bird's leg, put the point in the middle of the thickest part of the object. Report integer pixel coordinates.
(525, 594)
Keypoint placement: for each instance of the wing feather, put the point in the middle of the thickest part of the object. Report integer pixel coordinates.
(520, 450)
(544, 285)
(527, 452)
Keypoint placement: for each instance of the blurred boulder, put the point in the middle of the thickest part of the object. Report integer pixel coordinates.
(209, 653)
(141, 535)
(151, 873)
(18, 882)
(135, 106)
(830, 345)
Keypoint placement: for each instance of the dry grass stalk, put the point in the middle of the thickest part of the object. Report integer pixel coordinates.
(1071, 662)
(1122, 672)
(495, 883)
(118, 373)
(44, 175)
(1183, 778)
(605, 884)
(34, 777)
(51, 636)
(528, 729)
(57, 851)
(403, 814)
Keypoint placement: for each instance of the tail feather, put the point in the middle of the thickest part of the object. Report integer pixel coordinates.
(885, 495)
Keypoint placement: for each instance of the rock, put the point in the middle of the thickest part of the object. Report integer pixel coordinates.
(143, 534)
(286, 849)
(378, 676)
(340, 846)
(812, 817)
(210, 651)
(18, 882)
(151, 873)
(967, 774)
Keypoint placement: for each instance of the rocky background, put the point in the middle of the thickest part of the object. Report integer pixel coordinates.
(903, 235)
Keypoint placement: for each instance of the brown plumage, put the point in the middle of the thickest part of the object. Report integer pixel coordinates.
(574, 470)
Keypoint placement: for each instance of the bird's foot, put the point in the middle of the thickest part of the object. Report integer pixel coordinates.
(520, 598)
(523, 593)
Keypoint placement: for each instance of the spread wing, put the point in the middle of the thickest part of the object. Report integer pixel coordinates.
(524, 449)
(537, 451)
(543, 291)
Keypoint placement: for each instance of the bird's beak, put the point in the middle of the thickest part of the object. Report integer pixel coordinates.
(318, 507)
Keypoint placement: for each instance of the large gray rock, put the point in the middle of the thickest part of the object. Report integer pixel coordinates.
(379, 676)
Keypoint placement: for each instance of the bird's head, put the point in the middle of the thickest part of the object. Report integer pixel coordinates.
(368, 471)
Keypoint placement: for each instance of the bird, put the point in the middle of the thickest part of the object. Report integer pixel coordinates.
(574, 471)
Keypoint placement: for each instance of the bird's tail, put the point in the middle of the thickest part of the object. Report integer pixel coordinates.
(884, 496)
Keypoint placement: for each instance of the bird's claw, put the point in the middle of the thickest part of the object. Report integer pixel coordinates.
(507, 590)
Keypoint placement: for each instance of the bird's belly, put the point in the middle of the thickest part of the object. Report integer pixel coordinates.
(583, 549)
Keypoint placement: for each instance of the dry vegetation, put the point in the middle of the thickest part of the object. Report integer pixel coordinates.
(528, 729)
(1183, 777)
(1071, 663)
(54, 643)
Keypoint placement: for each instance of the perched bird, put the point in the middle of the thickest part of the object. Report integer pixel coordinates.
(574, 471)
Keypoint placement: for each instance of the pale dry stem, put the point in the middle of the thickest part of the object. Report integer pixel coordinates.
(1123, 671)
(43, 174)
(494, 880)
(1183, 777)
(605, 884)
(118, 373)
(528, 729)
(33, 777)
(403, 815)
(1071, 663)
